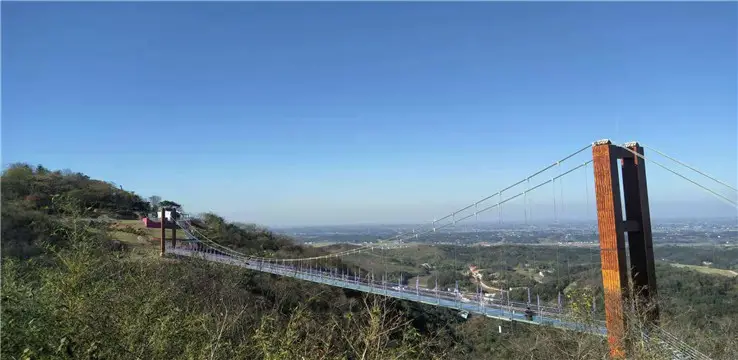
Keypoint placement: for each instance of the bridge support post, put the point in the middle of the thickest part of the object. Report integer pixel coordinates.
(163, 232)
(613, 229)
(174, 234)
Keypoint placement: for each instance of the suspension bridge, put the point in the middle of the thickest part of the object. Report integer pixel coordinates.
(625, 247)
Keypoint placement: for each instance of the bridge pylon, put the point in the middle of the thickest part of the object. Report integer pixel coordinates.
(614, 229)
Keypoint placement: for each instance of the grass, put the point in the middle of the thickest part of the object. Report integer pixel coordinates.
(150, 233)
(141, 245)
(321, 244)
(334, 247)
(708, 270)
(375, 261)
(423, 280)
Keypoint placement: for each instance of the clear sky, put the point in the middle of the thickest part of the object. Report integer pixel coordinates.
(328, 113)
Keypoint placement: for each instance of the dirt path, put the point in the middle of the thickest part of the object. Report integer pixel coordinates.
(485, 286)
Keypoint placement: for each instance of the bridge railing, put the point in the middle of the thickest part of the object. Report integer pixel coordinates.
(499, 309)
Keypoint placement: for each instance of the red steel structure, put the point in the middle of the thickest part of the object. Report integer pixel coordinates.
(613, 228)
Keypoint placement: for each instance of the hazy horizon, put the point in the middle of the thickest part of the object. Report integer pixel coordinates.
(660, 213)
(654, 221)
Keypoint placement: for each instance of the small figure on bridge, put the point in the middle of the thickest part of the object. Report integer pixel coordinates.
(529, 314)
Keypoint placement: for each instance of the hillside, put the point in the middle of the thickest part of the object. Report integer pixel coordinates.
(70, 290)
(34, 197)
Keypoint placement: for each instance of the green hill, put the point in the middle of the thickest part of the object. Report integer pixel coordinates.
(69, 290)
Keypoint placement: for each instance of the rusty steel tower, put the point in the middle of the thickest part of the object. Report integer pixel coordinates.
(611, 163)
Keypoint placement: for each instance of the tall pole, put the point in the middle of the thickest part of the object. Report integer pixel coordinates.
(174, 229)
(457, 295)
(163, 232)
(613, 227)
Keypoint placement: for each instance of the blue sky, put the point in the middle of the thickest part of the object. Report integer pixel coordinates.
(321, 113)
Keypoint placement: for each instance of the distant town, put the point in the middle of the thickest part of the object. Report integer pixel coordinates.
(667, 232)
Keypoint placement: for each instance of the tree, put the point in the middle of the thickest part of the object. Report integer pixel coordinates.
(154, 201)
(34, 187)
(170, 204)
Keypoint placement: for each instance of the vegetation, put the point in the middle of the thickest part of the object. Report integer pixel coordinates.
(698, 306)
(35, 187)
(69, 291)
(720, 257)
(76, 295)
(29, 211)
